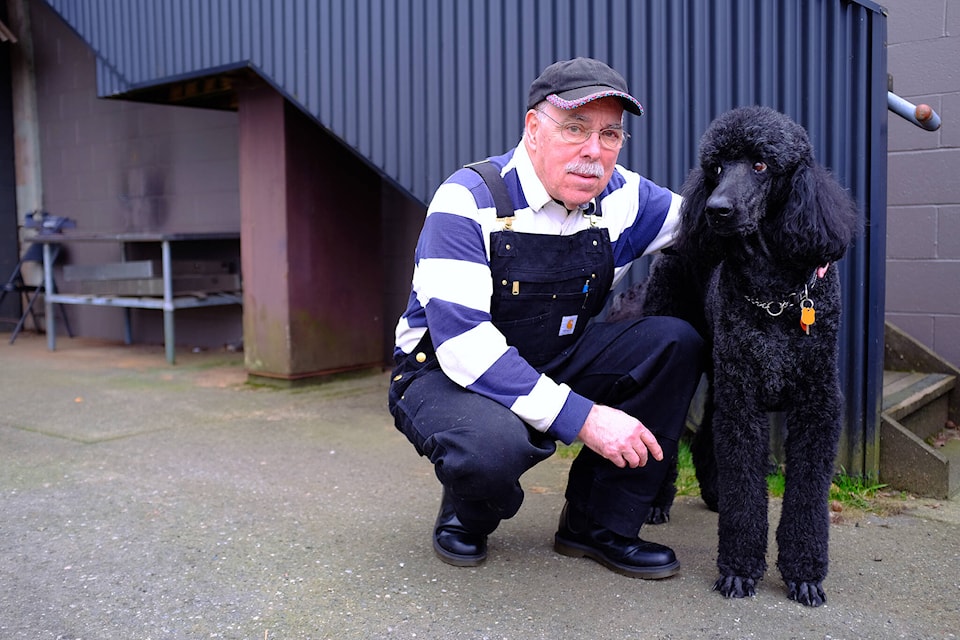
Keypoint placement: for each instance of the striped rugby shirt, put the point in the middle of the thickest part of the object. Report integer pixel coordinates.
(452, 282)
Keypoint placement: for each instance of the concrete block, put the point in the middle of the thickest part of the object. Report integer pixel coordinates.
(134, 269)
(920, 327)
(928, 177)
(928, 66)
(948, 240)
(945, 343)
(910, 20)
(950, 115)
(108, 271)
(912, 232)
(923, 286)
(952, 18)
(153, 287)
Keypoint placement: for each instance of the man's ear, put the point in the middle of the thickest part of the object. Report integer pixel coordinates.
(531, 125)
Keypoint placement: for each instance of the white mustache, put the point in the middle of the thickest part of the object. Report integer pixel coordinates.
(585, 168)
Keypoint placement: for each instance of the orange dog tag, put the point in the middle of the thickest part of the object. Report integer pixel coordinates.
(807, 315)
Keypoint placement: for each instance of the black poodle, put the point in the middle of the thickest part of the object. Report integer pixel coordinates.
(762, 225)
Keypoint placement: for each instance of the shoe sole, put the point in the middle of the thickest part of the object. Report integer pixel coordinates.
(575, 550)
(457, 560)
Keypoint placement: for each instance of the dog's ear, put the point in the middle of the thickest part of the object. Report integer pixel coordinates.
(819, 219)
(695, 237)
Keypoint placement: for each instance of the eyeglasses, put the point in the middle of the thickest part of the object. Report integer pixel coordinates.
(575, 133)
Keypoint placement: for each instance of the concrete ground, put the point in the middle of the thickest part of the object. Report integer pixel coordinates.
(144, 501)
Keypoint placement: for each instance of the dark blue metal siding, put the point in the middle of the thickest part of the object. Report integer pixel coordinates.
(392, 78)
(420, 87)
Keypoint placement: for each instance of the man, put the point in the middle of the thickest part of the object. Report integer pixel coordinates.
(496, 359)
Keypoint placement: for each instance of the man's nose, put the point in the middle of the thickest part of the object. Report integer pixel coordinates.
(592, 144)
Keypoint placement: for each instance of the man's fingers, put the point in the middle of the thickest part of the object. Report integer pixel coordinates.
(643, 457)
(650, 442)
(617, 458)
(634, 458)
(619, 438)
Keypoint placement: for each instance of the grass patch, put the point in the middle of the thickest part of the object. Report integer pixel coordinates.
(687, 484)
(847, 493)
(861, 494)
(776, 484)
(850, 493)
(568, 451)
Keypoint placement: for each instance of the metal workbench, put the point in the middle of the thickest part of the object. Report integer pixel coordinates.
(168, 303)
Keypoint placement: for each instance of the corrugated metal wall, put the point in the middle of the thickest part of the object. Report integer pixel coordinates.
(420, 87)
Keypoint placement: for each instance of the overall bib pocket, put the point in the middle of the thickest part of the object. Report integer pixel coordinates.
(546, 288)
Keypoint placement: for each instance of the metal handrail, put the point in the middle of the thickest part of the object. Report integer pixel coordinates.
(921, 115)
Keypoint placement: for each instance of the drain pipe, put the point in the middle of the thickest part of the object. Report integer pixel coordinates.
(921, 115)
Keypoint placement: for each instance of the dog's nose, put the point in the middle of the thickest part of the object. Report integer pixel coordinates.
(719, 206)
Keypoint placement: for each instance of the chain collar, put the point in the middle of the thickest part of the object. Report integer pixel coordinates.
(776, 307)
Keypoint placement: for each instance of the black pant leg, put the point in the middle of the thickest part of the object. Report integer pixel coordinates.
(650, 369)
(478, 447)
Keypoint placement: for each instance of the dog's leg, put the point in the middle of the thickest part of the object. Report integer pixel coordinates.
(741, 441)
(704, 457)
(672, 289)
(704, 460)
(813, 428)
(660, 509)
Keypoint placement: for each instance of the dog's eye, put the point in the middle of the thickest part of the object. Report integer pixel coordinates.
(759, 167)
(718, 170)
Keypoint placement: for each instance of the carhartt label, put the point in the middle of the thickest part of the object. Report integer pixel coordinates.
(567, 325)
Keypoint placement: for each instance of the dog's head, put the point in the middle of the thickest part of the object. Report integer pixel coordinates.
(757, 174)
(748, 157)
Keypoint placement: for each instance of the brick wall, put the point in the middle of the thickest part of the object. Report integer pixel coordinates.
(923, 186)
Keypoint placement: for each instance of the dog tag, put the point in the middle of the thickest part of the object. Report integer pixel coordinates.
(807, 314)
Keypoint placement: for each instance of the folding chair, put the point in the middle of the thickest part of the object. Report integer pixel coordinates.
(15, 283)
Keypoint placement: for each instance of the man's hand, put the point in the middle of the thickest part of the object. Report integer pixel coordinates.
(619, 437)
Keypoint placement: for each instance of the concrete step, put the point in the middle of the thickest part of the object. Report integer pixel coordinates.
(919, 401)
(915, 410)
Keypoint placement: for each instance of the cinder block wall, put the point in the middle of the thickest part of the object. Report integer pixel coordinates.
(923, 187)
(124, 166)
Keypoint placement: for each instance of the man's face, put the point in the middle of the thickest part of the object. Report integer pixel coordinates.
(573, 173)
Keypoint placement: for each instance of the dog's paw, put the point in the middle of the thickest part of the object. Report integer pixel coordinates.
(658, 515)
(807, 593)
(735, 586)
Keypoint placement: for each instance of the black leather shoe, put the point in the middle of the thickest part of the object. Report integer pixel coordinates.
(577, 537)
(453, 542)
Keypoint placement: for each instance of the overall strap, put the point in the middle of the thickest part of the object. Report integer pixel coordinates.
(498, 188)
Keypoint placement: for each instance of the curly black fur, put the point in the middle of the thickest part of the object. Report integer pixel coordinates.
(760, 220)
